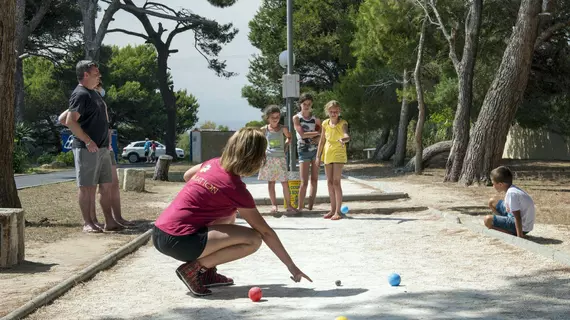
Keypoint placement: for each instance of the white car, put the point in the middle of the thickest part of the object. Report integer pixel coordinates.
(134, 152)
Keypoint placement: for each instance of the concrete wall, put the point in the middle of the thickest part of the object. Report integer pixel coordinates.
(529, 144)
(206, 145)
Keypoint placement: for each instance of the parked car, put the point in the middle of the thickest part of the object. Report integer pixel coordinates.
(134, 151)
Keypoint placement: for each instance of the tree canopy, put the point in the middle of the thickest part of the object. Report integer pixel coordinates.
(132, 95)
(322, 32)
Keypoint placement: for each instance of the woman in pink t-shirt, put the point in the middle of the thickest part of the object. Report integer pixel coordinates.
(197, 227)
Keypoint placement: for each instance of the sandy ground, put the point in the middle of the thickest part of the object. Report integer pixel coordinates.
(474, 208)
(59, 250)
(48, 265)
(259, 188)
(447, 273)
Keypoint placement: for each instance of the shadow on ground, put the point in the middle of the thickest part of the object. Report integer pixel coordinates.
(28, 267)
(366, 172)
(543, 240)
(543, 295)
(141, 226)
(550, 189)
(360, 212)
(400, 220)
(281, 291)
(473, 210)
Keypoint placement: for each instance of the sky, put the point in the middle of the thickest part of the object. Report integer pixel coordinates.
(219, 98)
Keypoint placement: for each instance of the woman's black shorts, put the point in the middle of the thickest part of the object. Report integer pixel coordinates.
(184, 248)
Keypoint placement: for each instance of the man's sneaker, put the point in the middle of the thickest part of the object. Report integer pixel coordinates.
(191, 274)
(211, 278)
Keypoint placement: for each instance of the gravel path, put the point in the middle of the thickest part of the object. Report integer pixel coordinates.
(447, 273)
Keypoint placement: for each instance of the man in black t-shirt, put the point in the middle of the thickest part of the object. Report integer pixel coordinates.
(87, 119)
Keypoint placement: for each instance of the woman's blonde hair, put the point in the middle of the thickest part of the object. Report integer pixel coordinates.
(331, 104)
(244, 153)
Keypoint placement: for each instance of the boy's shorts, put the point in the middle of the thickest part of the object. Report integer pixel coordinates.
(504, 220)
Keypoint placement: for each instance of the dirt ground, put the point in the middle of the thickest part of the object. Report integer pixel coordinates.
(52, 211)
(55, 246)
(547, 182)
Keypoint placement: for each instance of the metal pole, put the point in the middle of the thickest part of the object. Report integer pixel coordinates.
(293, 145)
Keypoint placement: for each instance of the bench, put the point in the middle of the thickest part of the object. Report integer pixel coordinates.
(369, 152)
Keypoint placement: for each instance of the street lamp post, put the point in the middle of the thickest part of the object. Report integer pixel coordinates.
(290, 84)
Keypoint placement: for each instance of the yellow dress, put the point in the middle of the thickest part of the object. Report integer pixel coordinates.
(334, 151)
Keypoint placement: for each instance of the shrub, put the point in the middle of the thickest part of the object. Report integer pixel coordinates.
(65, 157)
(46, 158)
(20, 160)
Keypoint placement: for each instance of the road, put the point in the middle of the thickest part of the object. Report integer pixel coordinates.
(32, 180)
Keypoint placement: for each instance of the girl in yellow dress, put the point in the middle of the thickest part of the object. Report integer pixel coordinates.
(332, 151)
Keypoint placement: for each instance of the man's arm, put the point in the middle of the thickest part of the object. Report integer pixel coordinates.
(518, 223)
(73, 125)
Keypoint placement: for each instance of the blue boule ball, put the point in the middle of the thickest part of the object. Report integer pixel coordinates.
(344, 209)
(394, 279)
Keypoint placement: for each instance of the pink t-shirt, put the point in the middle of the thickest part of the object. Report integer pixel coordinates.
(212, 193)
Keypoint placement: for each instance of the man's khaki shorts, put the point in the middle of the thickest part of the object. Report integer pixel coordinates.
(92, 168)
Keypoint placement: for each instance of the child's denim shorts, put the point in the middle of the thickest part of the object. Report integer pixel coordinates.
(504, 220)
(307, 156)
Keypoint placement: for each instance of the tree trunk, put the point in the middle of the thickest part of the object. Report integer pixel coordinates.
(20, 43)
(162, 167)
(170, 138)
(19, 91)
(89, 13)
(428, 154)
(503, 98)
(402, 138)
(421, 104)
(381, 141)
(23, 31)
(465, 87)
(8, 193)
(169, 100)
(387, 151)
(93, 37)
(164, 83)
